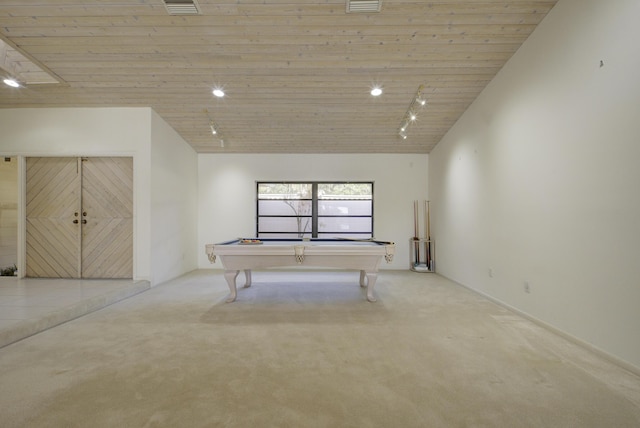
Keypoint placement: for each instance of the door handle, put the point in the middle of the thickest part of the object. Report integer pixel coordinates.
(84, 221)
(75, 221)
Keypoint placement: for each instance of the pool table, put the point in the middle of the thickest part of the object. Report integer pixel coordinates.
(247, 254)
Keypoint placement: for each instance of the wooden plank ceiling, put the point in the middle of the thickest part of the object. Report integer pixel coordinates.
(297, 74)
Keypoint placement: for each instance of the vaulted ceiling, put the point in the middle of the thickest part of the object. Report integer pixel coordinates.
(297, 74)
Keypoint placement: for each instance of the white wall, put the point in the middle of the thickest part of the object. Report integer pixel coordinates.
(538, 181)
(165, 213)
(89, 132)
(174, 205)
(227, 192)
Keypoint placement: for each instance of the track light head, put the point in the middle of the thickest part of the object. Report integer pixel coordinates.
(411, 116)
(215, 131)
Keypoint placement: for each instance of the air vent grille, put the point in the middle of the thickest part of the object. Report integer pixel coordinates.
(182, 7)
(363, 6)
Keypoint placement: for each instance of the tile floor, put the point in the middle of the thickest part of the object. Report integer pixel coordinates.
(31, 305)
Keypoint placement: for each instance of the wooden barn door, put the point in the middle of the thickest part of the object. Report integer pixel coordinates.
(53, 200)
(99, 221)
(107, 208)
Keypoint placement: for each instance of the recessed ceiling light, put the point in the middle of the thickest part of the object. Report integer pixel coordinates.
(218, 93)
(11, 82)
(376, 91)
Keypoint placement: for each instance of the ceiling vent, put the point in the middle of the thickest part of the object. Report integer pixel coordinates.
(182, 7)
(363, 6)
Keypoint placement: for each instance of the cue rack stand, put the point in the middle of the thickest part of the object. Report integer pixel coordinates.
(421, 249)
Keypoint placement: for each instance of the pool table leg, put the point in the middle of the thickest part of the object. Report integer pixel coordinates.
(370, 282)
(247, 278)
(230, 276)
(363, 278)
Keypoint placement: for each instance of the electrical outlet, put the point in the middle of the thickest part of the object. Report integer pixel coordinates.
(527, 287)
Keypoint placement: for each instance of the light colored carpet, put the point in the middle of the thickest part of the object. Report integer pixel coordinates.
(305, 349)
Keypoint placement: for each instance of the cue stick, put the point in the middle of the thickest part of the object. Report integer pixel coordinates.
(430, 262)
(416, 233)
(426, 221)
(426, 234)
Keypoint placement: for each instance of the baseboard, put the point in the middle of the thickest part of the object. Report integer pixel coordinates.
(604, 354)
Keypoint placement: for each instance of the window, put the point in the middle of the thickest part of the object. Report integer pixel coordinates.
(314, 210)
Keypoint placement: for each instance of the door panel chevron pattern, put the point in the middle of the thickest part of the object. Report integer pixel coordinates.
(107, 207)
(52, 240)
(79, 217)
